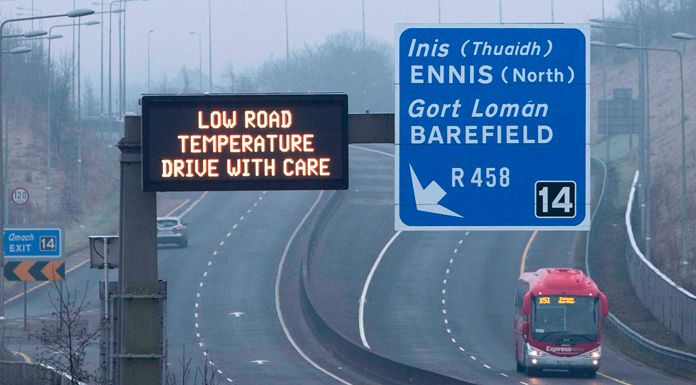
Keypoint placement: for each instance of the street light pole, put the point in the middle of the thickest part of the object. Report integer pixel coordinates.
(684, 200)
(14, 51)
(200, 61)
(148, 59)
(210, 48)
(643, 133)
(363, 24)
(110, 92)
(72, 14)
(553, 20)
(287, 49)
(685, 260)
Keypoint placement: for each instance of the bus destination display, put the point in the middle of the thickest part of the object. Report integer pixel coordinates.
(245, 142)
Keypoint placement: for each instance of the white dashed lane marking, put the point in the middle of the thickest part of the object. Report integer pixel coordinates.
(205, 275)
(445, 320)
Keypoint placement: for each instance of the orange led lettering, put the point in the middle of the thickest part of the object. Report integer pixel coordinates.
(544, 300)
(251, 167)
(306, 167)
(296, 143)
(218, 119)
(201, 123)
(265, 119)
(308, 145)
(182, 139)
(189, 168)
(195, 144)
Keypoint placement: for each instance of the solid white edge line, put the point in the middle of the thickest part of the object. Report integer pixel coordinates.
(372, 150)
(366, 286)
(193, 205)
(175, 209)
(363, 295)
(279, 312)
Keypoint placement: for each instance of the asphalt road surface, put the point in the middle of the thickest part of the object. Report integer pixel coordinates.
(440, 301)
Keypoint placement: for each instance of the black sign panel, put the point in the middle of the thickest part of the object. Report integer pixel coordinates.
(555, 199)
(245, 142)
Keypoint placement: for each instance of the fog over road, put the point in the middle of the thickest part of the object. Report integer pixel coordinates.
(437, 300)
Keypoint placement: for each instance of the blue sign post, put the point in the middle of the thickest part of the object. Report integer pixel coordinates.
(32, 243)
(492, 127)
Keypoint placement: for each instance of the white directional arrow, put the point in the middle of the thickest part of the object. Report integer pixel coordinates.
(428, 199)
(259, 362)
(237, 314)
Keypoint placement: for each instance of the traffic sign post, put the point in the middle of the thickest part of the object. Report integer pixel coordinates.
(492, 127)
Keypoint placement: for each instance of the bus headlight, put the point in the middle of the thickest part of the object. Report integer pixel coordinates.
(594, 354)
(534, 352)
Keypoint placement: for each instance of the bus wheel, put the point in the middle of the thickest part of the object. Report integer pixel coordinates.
(531, 372)
(520, 367)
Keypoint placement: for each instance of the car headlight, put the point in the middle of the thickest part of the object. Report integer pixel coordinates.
(595, 354)
(534, 352)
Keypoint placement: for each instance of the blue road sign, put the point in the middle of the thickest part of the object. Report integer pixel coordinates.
(32, 243)
(492, 127)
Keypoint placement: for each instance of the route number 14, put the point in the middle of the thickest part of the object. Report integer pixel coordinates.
(555, 199)
(48, 243)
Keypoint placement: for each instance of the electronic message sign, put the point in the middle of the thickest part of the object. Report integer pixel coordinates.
(492, 127)
(245, 142)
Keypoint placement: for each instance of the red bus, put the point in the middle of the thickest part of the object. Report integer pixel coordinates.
(558, 322)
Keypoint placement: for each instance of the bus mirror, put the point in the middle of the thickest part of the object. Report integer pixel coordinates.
(526, 303)
(604, 305)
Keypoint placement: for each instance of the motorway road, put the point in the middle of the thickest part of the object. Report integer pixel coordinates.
(441, 300)
(223, 292)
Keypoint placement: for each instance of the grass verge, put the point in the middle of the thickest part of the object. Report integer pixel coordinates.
(608, 267)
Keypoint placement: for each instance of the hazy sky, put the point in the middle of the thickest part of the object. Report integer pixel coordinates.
(246, 33)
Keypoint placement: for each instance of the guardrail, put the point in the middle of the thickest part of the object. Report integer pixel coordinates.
(366, 362)
(666, 355)
(671, 304)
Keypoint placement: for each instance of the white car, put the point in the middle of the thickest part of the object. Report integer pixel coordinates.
(172, 230)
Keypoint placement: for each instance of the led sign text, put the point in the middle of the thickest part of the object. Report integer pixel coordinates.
(259, 140)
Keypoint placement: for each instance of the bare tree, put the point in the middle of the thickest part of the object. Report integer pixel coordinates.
(185, 79)
(90, 102)
(205, 375)
(65, 341)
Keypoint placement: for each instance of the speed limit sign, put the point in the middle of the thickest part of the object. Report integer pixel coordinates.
(20, 195)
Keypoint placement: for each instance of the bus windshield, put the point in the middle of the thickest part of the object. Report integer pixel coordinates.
(565, 319)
